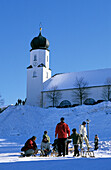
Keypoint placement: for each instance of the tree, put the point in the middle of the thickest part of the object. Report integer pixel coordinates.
(106, 92)
(54, 95)
(80, 92)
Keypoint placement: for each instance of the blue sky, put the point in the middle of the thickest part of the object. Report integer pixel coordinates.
(79, 32)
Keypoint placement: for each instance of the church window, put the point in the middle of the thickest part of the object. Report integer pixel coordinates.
(65, 103)
(34, 74)
(47, 58)
(46, 74)
(89, 101)
(35, 58)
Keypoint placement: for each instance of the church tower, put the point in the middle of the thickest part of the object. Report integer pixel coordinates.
(38, 71)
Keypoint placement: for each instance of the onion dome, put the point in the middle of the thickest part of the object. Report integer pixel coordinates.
(39, 42)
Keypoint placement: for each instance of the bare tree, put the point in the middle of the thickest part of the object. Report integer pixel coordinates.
(80, 92)
(106, 92)
(54, 95)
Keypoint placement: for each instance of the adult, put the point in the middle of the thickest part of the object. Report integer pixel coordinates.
(76, 140)
(30, 147)
(83, 134)
(63, 131)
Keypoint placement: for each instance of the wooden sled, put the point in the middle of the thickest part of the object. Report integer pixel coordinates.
(87, 153)
(71, 150)
(54, 153)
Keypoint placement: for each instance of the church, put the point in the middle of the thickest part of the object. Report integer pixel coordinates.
(45, 90)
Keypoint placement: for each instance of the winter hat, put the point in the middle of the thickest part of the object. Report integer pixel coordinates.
(84, 123)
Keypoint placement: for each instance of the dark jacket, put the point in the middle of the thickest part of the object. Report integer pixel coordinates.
(62, 129)
(76, 138)
(48, 138)
(30, 144)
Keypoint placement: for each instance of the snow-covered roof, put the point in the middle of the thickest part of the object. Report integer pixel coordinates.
(67, 80)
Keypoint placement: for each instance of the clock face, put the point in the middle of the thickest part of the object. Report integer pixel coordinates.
(35, 63)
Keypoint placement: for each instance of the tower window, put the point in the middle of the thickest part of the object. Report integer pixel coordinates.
(34, 74)
(46, 74)
(35, 58)
(47, 58)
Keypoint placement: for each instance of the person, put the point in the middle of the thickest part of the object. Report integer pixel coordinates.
(45, 135)
(83, 134)
(55, 145)
(96, 139)
(76, 140)
(45, 147)
(62, 130)
(30, 147)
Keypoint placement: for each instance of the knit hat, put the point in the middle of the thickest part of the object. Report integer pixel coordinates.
(84, 123)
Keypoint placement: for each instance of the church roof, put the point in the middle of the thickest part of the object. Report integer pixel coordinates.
(67, 80)
(39, 42)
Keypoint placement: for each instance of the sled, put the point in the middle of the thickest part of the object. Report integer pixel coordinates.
(87, 153)
(54, 153)
(70, 150)
(23, 155)
(43, 153)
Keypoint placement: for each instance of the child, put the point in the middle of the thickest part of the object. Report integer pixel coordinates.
(45, 135)
(45, 147)
(96, 139)
(76, 139)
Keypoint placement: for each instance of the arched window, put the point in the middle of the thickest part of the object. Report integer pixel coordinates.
(47, 58)
(35, 58)
(34, 74)
(89, 101)
(65, 103)
(46, 74)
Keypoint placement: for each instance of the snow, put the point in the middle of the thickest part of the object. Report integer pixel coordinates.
(18, 123)
(66, 80)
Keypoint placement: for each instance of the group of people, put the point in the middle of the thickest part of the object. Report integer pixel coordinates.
(30, 147)
(63, 132)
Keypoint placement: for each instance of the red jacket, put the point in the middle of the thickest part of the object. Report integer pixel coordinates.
(62, 129)
(30, 144)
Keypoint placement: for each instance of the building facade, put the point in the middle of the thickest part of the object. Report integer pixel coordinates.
(44, 90)
(38, 72)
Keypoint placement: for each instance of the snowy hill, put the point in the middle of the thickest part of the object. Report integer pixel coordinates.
(28, 120)
(18, 123)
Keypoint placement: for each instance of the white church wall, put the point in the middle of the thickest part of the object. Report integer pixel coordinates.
(94, 92)
(46, 74)
(66, 95)
(34, 87)
(41, 55)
